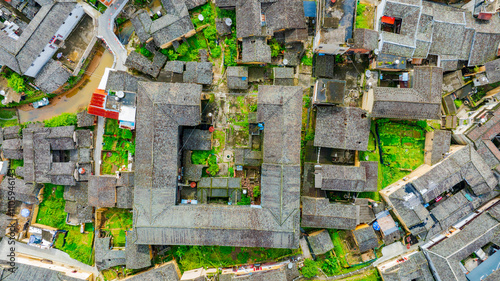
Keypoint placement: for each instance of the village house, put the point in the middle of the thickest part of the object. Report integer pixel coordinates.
(275, 223)
(110, 191)
(167, 271)
(479, 236)
(433, 198)
(365, 237)
(320, 213)
(410, 266)
(237, 77)
(437, 145)
(362, 178)
(418, 29)
(422, 101)
(31, 52)
(320, 242)
(165, 31)
(143, 64)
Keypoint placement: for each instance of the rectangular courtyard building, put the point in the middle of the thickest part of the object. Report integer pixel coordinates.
(159, 219)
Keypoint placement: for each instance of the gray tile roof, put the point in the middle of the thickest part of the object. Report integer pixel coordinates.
(105, 257)
(255, 49)
(196, 139)
(31, 272)
(138, 256)
(144, 65)
(446, 255)
(415, 267)
(166, 272)
(423, 101)
(320, 213)
(11, 132)
(25, 192)
(102, 191)
(12, 149)
(463, 164)
(142, 25)
(162, 108)
(77, 196)
(248, 17)
(320, 242)
(437, 144)
(122, 81)
(366, 239)
(52, 76)
(85, 119)
(342, 127)
(365, 39)
(237, 77)
(441, 30)
(493, 71)
(285, 15)
(347, 178)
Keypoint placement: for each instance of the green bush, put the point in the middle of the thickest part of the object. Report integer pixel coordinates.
(199, 157)
(253, 108)
(145, 52)
(210, 33)
(16, 82)
(231, 171)
(243, 257)
(245, 200)
(65, 119)
(307, 101)
(458, 103)
(126, 134)
(276, 48)
(213, 168)
(256, 191)
(120, 21)
(170, 53)
(307, 60)
(309, 269)
(216, 52)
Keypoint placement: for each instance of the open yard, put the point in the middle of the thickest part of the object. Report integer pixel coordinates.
(118, 143)
(8, 118)
(343, 258)
(399, 149)
(51, 213)
(191, 257)
(364, 16)
(117, 222)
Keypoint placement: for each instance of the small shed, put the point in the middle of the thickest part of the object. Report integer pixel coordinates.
(283, 76)
(84, 119)
(388, 228)
(237, 77)
(365, 238)
(320, 242)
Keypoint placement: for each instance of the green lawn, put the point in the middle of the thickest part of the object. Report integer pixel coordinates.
(118, 221)
(191, 257)
(8, 118)
(51, 213)
(402, 144)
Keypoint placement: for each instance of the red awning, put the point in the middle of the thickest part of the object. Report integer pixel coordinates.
(388, 20)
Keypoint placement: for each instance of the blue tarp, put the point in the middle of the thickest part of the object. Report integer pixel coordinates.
(310, 9)
(486, 268)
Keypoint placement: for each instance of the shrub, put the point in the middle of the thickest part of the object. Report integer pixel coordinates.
(210, 33)
(245, 200)
(231, 171)
(65, 119)
(275, 48)
(307, 101)
(253, 107)
(243, 257)
(199, 157)
(16, 82)
(256, 191)
(306, 60)
(145, 52)
(216, 52)
(458, 103)
(309, 269)
(126, 134)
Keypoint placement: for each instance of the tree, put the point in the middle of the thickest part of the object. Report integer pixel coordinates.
(65, 119)
(16, 82)
(309, 269)
(210, 32)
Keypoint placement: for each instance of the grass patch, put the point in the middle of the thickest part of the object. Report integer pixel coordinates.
(191, 257)
(401, 146)
(118, 221)
(370, 275)
(220, 136)
(364, 16)
(458, 103)
(8, 118)
(65, 119)
(51, 213)
(16, 163)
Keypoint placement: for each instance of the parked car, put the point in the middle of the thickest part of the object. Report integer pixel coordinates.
(40, 103)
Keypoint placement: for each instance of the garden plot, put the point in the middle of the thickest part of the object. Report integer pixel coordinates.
(115, 223)
(51, 213)
(118, 144)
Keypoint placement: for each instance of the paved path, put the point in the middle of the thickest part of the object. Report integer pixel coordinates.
(106, 23)
(98, 145)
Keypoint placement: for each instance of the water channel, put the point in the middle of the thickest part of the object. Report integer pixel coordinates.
(73, 101)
